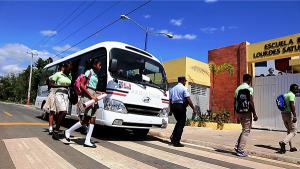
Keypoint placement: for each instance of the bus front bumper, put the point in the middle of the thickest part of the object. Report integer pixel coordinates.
(133, 121)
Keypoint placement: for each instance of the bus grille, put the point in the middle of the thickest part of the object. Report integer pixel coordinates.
(142, 110)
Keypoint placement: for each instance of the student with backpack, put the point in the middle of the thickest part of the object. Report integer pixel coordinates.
(286, 103)
(86, 85)
(61, 81)
(244, 107)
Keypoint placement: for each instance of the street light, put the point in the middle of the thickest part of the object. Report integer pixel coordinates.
(146, 30)
(29, 85)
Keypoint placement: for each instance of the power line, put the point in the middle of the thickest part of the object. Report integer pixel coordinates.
(103, 28)
(92, 20)
(61, 23)
(73, 19)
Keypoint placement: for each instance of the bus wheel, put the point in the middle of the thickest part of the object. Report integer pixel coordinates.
(141, 132)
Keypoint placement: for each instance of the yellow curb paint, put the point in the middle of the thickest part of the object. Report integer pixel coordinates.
(227, 126)
(22, 124)
(8, 114)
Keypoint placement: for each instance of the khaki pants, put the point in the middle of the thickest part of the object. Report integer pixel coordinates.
(246, 122)
(290, 126)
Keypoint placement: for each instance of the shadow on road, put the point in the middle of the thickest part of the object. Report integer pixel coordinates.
(104, 133)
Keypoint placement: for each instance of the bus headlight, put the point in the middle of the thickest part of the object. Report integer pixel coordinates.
(164, 112)
(115, 106)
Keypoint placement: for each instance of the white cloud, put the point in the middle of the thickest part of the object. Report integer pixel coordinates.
(65, 47)
(211, 30)
(7, 69)
(14, 56)
(210, 1)
(147, 16)
(48, 32)
(176, 22)
(180, 36)
(185, 36)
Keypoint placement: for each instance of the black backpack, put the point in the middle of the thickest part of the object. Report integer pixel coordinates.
(73, 97)
(243, 101)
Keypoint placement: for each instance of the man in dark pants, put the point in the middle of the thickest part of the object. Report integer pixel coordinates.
(179, 98)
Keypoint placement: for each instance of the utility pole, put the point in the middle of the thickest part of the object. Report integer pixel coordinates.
(30, 76)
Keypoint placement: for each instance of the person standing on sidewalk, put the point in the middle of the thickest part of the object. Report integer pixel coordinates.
(179, 98)
(244, 107)
(289, 118)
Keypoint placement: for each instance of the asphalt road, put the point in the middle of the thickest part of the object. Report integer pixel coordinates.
(25, 143)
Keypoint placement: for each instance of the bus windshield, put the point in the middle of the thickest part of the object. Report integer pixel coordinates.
(132, 67)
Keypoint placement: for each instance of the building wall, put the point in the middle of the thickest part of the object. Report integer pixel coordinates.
(223, 90)
(175, 68)
(197, 74)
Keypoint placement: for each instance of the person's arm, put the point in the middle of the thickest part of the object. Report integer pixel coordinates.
(84, 89)
(191, 104)
(255, 118)
(292, 103)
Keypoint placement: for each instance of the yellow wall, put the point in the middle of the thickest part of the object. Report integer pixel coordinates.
(174, 69)
(197, 72)
(279, 48)
(194, 70)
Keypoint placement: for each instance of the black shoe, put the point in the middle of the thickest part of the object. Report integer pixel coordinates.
(178, 145)
(55, 135)
(93, 146)
(282, 147)
(50, 132)
(293, 149)
(68, 139)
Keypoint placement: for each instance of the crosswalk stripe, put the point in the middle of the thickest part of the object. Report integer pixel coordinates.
(176, 159)
(32, 153)
(110, 158)
(216, 156)
(8, 114)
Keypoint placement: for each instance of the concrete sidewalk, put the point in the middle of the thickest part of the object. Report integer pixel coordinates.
(261, 143)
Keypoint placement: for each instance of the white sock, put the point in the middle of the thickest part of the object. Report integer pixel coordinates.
(89, 135)
(72, 129)
(50, 128)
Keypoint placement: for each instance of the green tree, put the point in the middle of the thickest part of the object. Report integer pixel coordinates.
(13, 87)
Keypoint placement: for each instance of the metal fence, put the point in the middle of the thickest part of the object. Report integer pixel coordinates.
(266, 90)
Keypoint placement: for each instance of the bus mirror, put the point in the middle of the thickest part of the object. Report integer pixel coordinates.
(113, 65)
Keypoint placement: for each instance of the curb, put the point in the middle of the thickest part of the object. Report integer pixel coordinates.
(23, 105)
(228, 148)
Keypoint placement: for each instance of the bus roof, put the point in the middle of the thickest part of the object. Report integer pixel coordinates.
(107, 44)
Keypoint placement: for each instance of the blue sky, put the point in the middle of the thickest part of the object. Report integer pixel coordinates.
(198, 26)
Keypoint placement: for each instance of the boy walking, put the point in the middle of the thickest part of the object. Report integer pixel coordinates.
(244, 107)
(289, 118)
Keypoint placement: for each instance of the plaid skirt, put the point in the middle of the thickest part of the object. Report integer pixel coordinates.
(50, 102)
(89, 111)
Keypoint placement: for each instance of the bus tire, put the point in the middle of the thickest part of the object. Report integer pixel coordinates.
(141, 132)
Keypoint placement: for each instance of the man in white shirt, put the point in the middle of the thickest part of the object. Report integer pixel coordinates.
(179, 100)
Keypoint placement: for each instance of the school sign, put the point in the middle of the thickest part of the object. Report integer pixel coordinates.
(279, 48)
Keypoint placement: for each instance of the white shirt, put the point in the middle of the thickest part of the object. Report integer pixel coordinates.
(178, 93)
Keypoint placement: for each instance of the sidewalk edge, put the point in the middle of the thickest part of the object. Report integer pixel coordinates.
(227, 148)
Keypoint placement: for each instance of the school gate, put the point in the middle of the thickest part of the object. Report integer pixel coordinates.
(266, 90)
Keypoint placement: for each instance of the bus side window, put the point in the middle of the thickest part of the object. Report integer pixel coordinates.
(47, 73)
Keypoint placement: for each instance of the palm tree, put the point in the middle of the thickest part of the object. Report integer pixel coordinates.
(215, 70)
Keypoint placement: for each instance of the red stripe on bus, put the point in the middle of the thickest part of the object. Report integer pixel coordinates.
(167, 102)
(114, 93)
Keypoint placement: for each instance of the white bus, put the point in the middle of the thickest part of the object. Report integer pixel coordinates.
(134, 80)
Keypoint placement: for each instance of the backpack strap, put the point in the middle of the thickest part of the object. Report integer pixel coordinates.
(89, 77)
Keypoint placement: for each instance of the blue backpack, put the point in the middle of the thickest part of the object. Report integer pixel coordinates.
(280, 102)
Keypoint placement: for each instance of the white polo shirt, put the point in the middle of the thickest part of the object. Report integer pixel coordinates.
(178, 93)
